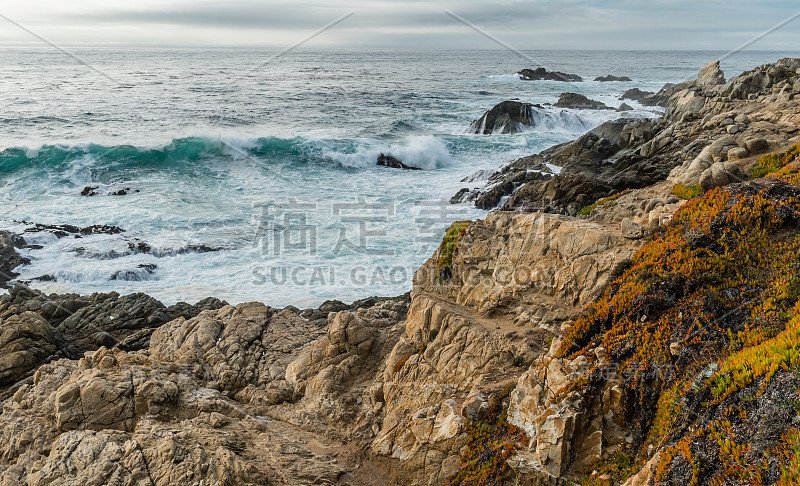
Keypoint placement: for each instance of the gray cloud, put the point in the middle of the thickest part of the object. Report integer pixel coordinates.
(528, 24)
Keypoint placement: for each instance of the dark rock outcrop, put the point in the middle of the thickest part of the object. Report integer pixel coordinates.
(542, 74)
(611, 77)
(99, 319)
(604, 156)
(9, 258)
(389, 161)
(561, 194)
(580, 102)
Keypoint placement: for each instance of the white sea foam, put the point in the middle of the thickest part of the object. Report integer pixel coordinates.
(424, 152)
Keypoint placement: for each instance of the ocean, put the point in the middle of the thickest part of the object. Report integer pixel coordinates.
(251, 177)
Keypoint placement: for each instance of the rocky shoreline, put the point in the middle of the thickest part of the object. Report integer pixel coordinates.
(631, 319)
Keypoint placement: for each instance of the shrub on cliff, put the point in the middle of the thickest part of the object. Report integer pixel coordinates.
(705, 326)
(491, 443)
(448, 247)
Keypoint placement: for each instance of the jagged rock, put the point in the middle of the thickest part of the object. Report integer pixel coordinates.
(100, 319)
(611, 77)
(581, 255)
(581, 159)
(63, 230)
(26, 341)
(474, 407)
(381, 391)
(624, 107)
(710, 75)
(540, 74)
(579, 102)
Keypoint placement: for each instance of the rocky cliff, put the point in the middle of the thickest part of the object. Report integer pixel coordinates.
(631, 320)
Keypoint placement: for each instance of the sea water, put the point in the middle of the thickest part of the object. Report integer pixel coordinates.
(251, 177)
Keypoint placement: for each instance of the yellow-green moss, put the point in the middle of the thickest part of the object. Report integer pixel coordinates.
(770, 163)
(743, 368)
(686, 192)
(449, 243)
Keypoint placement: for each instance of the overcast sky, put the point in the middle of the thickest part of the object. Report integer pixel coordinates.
(526, 24)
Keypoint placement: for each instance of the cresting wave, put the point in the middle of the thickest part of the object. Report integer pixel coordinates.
(426, 152)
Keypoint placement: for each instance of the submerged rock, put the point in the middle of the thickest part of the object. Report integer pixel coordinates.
(389, 161)
(611, 77)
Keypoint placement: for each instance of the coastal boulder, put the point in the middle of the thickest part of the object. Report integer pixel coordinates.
(721, 174)
(506, 117)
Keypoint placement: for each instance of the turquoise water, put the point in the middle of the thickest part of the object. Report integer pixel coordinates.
(257, 181)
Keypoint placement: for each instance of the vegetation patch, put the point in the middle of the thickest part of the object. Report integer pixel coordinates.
(686, 192)
(702, 323)
(448, 246)
(609, 201)
(492, 441)
(770, 163)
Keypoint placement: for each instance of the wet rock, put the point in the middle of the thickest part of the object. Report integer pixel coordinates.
(389, 161)
(504, 118)
(464, 195)
(9, 258)
(646, 98)
(540, 74)
(579, 102)
(611, 77)
(63, 230)
(625, 107)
